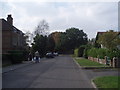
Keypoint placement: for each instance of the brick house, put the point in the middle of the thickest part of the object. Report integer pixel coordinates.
(12, 38)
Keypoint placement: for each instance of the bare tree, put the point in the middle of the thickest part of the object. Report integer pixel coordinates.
(29, 37)
(42, 28)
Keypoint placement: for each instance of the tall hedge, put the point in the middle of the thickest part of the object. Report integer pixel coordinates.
(76, 52)
(17, 56)
(93, 52)
(102, 52)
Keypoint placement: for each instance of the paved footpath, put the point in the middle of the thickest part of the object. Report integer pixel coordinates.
(58, 72)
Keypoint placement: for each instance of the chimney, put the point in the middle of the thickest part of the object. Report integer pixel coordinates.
(10, 19)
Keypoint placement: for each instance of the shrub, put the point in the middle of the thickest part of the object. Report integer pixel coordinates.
(4, 56)
(16, 56)
(92, 52)
(101, 53)
(87, 47)
(113, 53)
(85, 54)
(76, 52)
(81, 51)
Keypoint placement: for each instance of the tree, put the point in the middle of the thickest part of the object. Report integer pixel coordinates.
(76, 37)
(50, 43)
(56, 36)
(39, 44)
(109, 39)
(42, 28)
(29, 38)
(71, 39)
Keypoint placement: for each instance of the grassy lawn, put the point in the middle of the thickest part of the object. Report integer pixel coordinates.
(88, 63)
(107, 82)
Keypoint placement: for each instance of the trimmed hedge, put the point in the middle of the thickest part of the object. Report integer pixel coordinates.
(78, 52)
(102, 52)
(17, 56)
(92, 52)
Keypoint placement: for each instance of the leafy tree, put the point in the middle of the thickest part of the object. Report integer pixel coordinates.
(62, 43)
(76, 37)
(71, 39)
(50, 43)
(39, 44)
(56, 36)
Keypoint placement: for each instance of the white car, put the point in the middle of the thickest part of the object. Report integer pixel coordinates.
(55, 54)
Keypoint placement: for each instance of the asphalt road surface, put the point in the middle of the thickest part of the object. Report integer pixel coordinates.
(58, 72)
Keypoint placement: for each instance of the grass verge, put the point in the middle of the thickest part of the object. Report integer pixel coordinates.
(88, 63)
(107, 82)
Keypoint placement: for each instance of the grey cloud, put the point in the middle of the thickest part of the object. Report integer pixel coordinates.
(65, 15)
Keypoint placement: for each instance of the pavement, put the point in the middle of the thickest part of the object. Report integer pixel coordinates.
(17, 66)
(58, 72)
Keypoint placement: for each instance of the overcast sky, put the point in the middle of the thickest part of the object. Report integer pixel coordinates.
(89, 16)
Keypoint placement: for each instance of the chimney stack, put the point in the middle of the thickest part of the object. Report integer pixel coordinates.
(10, 19)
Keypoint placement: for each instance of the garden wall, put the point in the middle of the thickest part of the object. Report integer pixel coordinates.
(113, 62)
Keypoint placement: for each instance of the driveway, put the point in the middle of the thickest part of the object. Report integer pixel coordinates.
(58, 72)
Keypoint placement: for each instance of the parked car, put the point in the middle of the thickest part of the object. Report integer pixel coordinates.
(55, 54)
(49, 55)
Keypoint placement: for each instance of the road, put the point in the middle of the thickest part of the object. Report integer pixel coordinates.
(58, 72)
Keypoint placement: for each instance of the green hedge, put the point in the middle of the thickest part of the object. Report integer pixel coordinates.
(102, 52)
(93, 52)
(17, 56)
(111, 54)
(78, 52)
(5, 57)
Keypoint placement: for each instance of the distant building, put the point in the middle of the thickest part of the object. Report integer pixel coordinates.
(12, 38)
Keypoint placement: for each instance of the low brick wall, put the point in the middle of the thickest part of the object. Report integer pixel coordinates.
(102, 61)
(112, 62)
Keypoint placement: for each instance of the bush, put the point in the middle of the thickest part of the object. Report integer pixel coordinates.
(76, 52)
(16, 56)
(85, 54)
(92, 52)
(87, 47)
(113, 53)
(4, 56)
(101, 53)
(81, 51)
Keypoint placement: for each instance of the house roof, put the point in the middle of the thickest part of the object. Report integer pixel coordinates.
(7, 26)
(100, 33)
